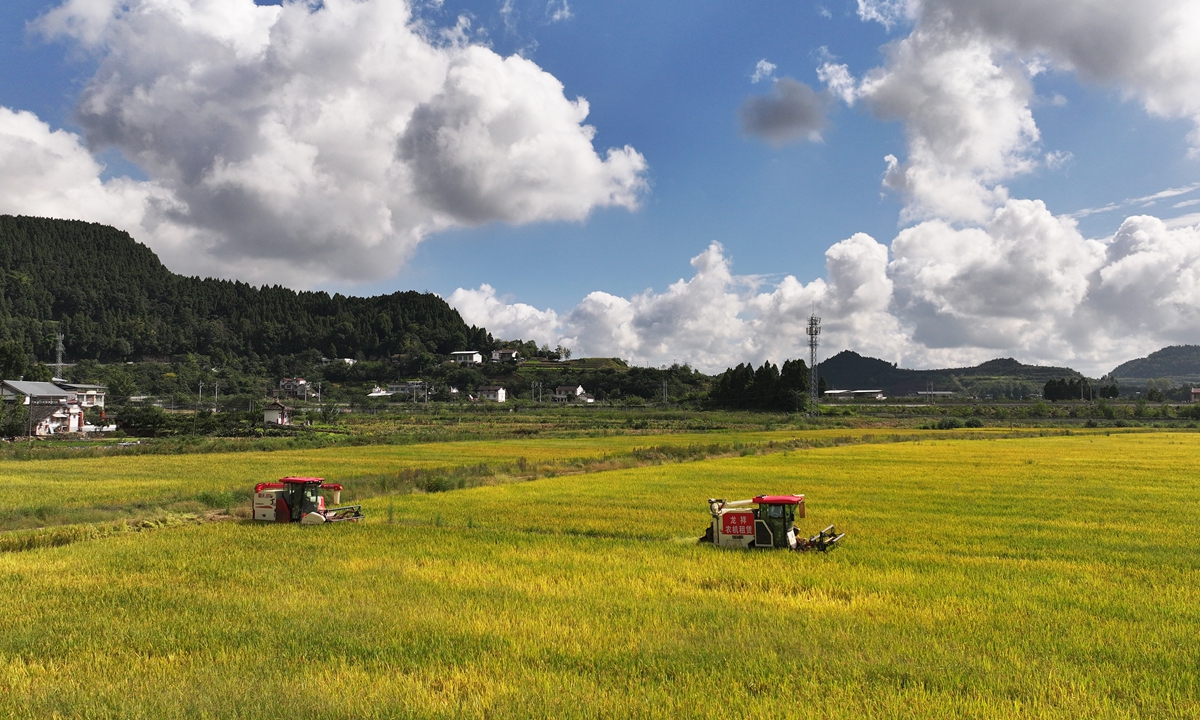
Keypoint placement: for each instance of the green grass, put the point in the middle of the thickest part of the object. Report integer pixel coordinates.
(1053, 577)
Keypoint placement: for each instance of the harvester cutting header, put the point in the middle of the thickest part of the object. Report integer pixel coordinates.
(771, 525)
(299, 499)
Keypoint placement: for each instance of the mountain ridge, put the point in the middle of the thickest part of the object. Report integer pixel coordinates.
(115, 301)
(1000, 377)
(1176, 363)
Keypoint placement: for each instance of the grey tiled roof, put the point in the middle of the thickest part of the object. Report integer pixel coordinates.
(36, 389)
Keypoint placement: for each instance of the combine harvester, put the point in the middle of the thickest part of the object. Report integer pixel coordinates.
(770, 525)
(299, 499)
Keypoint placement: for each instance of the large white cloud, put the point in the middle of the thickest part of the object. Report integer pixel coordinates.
(966, 113)
(1147, 48)
(50, 173)
(319, 140)
(960, 82)
(1026, 283)
(511, 321)
(716, 318)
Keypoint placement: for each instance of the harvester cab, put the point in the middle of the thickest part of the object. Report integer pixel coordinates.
(770, 525)
(299, 499)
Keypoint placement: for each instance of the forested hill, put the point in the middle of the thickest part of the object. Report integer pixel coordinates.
(114, 300)
(1003, 377)
(1177, 361)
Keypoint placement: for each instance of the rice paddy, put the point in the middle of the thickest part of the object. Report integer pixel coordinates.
(1054, 577)
(35, 493)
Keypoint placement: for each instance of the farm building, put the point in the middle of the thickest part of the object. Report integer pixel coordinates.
(505, 356)
(277, 414)
(494, 393)
(466, 357)
(855, 395)
(56, 407)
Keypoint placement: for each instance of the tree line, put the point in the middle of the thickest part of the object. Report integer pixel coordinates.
(115, 301)
(1077, 389)
(770, 387)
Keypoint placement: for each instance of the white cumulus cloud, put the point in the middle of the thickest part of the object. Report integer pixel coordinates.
(763, 70)
(1026, 284)
(960, 82)
(513, 321)
(315, 141)
(1146, 48)
(50, 173)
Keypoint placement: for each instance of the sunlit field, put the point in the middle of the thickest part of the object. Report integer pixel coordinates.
(1037, 577)
(35, 493)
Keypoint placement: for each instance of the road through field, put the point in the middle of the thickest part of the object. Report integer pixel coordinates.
(1054, 577)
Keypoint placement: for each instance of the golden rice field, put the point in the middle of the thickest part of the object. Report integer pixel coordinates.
(41, 492)
(1051, 577)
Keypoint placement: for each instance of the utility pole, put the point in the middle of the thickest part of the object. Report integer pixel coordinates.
(813, 330)
(199, 399)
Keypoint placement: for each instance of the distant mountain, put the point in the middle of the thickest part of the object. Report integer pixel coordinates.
(1003, 377)
(1178, 364)
(114, 300)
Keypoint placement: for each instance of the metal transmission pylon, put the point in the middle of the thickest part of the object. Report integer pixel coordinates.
(813, 330)
(58, 353)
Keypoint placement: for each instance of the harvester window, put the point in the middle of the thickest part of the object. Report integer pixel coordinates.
(775, 511)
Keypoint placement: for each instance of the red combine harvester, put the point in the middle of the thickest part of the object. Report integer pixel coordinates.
(299, 499)
(770, 525)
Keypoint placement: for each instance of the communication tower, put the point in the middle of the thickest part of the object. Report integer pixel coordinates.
(813, 330)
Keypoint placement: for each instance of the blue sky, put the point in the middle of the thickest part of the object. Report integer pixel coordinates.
(667, 80)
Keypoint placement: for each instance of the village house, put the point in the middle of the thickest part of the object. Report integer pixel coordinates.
(568, 393)
(277, 414)
(466, 357)
(409, 386)
(505, 356)
(494, 393)
(89, 396)
(414, 389)
(1195, 394)
(294, 387)
(56, 407)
